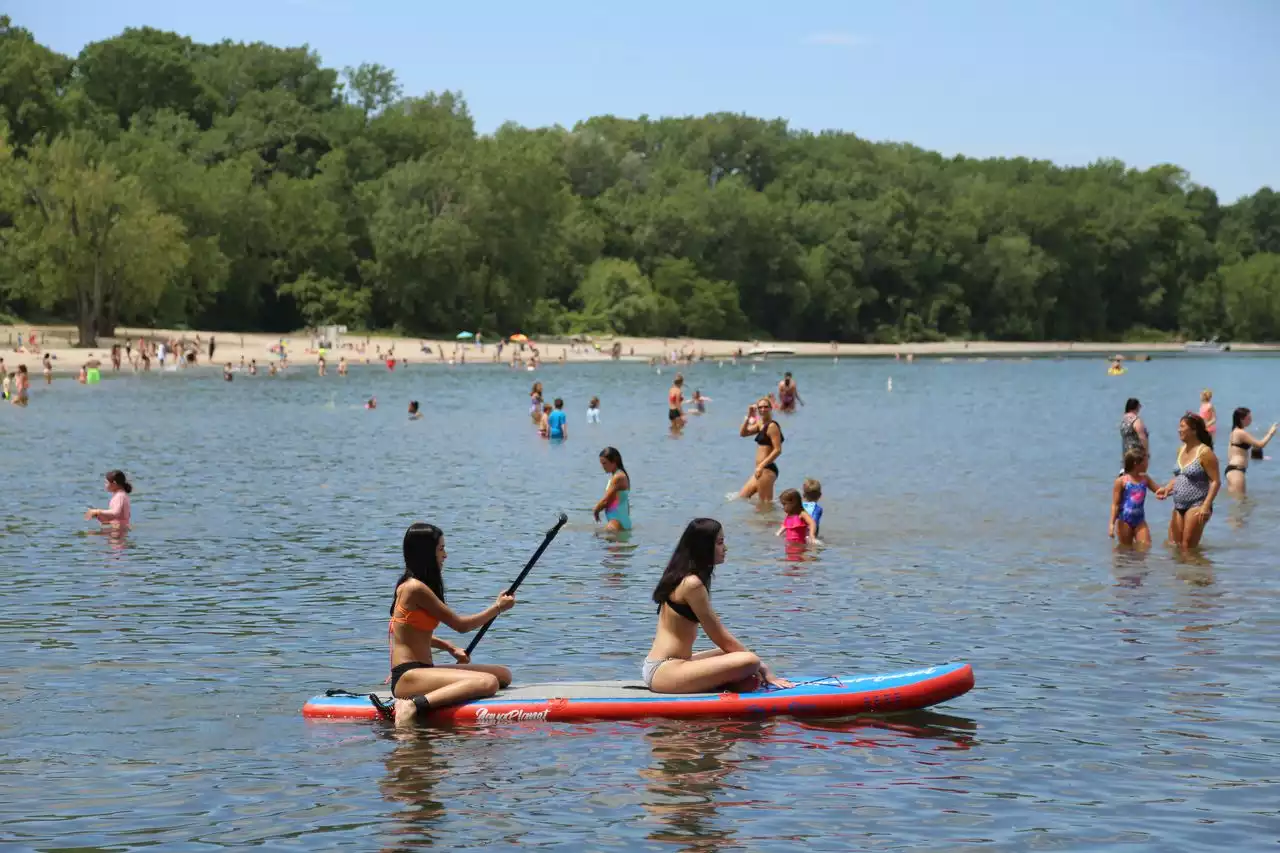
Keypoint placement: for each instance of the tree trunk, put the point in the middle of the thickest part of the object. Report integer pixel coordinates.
(90, 308)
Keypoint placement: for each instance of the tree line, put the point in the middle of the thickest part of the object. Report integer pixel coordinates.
(155, 181)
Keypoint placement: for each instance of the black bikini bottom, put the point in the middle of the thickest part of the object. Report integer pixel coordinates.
(400, 670)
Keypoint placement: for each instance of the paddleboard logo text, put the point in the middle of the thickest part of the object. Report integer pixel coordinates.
(484, 715)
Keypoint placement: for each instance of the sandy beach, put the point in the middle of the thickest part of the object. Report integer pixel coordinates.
(303, 348)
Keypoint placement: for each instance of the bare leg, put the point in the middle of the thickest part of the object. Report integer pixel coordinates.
(1124, 533)
(499, 672)
(1236, 482)
(1143, 535)
(1193, 527)
(764, 490)
(1175, 527)
(749, 487)
(704, 674)
(613, 526)
(440, 685)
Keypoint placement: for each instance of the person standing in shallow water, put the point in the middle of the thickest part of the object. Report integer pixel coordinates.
(788, 394)
(1194, 485)
(417, 609)
(768, 436)
(675, 402)
(616, 503)
(1133, 432)
(119, 512)
(1243, 446)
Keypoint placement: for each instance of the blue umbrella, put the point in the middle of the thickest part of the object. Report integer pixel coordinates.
(465, 335)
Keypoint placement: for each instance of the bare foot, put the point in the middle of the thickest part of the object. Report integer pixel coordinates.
(406, 712)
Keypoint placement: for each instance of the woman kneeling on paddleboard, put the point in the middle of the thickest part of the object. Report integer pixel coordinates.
(683, 597)
(418, 608)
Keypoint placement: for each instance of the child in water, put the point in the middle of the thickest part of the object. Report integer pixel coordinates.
(812, 491)
(799, 526)
(593, 411)
(414, 414)
(700, 402)
(1128, 501)
(372, 404)
(544, 425)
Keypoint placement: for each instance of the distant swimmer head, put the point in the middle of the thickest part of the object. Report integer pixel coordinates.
(424, 557)
(812, 489)
(611, 460)
(699, 551)
(1206, 395)
(595, 403)
(678, 381)
(1135, 461)
(372, 404)
(1132, 405)
(118, 482)
(413, 407)
(790, 500)
(1241, 418)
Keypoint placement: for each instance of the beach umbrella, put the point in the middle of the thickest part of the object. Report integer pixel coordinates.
(462, 336)
(520, 337)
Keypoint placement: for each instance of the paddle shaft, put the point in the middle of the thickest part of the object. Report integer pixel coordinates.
(511, 590)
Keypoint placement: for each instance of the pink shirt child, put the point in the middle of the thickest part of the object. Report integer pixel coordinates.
(118, 511)
(797, 529)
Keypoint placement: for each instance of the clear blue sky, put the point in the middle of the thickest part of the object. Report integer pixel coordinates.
(1190, 82)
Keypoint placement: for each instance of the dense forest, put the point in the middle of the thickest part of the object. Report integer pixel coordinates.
(155, 181)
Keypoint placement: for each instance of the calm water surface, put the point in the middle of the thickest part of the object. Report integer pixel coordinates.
(152, 689)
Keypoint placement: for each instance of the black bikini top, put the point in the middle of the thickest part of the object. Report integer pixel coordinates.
(762, 437)
(681, 609)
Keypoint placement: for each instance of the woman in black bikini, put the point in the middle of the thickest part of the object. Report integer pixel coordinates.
(683, 596)
(1243, 445)
(768, 448)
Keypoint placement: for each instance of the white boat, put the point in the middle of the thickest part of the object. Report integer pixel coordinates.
(761, 353)
(1206, 347)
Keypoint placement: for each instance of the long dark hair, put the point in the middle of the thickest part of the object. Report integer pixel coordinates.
(1202, 432)
(1238, 416)
(1131, 405)
(120, 480)
(420, 563)
(612, 454)
(695, 554)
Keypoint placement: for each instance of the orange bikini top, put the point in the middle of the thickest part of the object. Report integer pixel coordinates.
(419, 619)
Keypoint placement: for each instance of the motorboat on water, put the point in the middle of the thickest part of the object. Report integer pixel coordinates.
(1206, 347)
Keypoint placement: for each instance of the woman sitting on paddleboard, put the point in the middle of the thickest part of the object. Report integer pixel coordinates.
(768, 448)
(416, 683)
(683, 596)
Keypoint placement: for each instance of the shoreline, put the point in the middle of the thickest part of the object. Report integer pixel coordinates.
(232, 347)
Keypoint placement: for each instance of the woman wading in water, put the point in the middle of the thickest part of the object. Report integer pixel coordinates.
(616, 503)
(416, 611)
(769, 440)
(1195, 483)
(1243, 445)
(683, 596)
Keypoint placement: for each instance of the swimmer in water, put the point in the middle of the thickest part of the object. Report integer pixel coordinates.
(21, 387)
(417, 609)
(675, 402)
(414, 414)
(700, 402)
(683, 596)
(557, 426)
(1207, 412)
(593, 411)
(1128, 501)
(1243, 446)
(226, 373)
(798, 526)
(119, 511)
(812, 493)
(342, 365)
(48, 370)
(372, 404)
(616, 503)
(544, 421)
(535, 404)
(1194, 485)
(768, 438)
(788, 393)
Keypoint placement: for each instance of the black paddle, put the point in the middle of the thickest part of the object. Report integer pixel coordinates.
(511, 590)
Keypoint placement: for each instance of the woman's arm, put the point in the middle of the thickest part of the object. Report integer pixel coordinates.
(423, 598)
(1241, 436)
(749, 428)
(696, 597)
(1115, 506)
(1209, 461)
(610, 492)
(1153, 486)
(1213, 416)
(1141, 429)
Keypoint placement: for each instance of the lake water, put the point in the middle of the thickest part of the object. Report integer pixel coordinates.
(152, 691)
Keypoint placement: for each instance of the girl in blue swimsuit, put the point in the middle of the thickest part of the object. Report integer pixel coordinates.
(1128, 501)
(616, 503)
